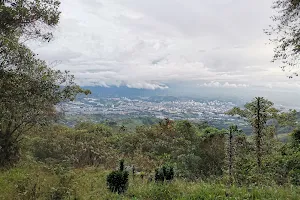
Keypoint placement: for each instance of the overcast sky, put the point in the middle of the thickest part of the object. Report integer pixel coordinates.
(157, 43)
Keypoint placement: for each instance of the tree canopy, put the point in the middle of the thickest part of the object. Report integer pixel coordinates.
(286, 34)
(28, 18)
(29, 89)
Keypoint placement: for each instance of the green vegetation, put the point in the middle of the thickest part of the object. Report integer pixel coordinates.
(165, 173)
(117, 181)
(29, 89)
(41, 182)
(257, 113)
(59, 162)
(285, 34)
(203, 161)
(41, 159)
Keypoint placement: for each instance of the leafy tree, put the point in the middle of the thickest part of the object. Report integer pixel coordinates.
(203, 157)
(28, 18)
(282, 119)
(287, 118)
(257, 113)
(29, 89)
(24, 19)
(186, 129)
(285, 166)
(243, 160)
(286, 33)
(276, 166)
(28, 98)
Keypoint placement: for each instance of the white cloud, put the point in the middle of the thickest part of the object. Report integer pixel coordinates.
(151, 86)
(149, 44)
(283, 85)
(214, 84)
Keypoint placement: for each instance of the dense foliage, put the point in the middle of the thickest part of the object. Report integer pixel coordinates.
(75, 162)
(196, 152)
(29, 89)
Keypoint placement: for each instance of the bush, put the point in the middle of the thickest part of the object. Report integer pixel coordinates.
(117, 181)
(73, 148)
(165, 173)
(295, 177)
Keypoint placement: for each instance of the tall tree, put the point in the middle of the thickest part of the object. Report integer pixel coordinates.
(257, 113)
(230, 150)
(29, 89)
(285, 34)
(28, 97)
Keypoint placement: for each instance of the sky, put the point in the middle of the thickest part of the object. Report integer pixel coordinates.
(158, 44)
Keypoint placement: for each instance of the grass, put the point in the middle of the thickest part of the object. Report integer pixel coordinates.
(42, 182)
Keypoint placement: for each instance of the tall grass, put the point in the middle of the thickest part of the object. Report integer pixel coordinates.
(37, 181)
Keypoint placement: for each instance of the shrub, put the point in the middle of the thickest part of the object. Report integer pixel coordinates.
(295, 176)
(165, 173)
(73, 148)
(117, 181)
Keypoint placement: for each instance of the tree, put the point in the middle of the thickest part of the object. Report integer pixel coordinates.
(257, 113)
(286, 34)
(24, 20)
(28, 18)
(282, 119)
(243, 160)
(29, 89)
(28, 98)
(186, 130)
(230, 150)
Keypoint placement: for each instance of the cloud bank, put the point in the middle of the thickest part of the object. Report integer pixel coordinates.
(151, 44)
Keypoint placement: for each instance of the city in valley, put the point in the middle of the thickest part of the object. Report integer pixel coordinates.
(173, 108)
(112, 108)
